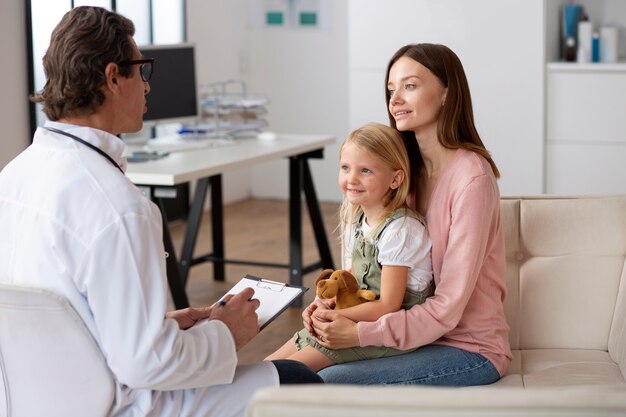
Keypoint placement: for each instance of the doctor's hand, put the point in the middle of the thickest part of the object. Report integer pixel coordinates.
(187, 317)
(238, 312)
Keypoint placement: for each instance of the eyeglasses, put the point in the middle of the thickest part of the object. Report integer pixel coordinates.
(145, 67)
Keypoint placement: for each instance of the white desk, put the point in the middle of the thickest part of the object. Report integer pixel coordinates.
(185, 166)
(207, 165)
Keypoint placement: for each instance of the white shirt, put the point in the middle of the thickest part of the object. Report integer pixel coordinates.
(71, 222)
(404, 242)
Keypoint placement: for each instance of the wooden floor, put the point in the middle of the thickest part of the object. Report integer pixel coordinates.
(258, 230)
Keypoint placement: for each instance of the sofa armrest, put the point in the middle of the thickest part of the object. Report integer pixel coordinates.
(401, 401)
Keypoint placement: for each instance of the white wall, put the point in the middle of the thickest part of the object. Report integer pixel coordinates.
(500, 44)
(218, 28)
(13, 73)
(303, 71)
(330, 79)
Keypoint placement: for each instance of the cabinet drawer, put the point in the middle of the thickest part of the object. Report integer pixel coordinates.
(586, 107)
(585, 169)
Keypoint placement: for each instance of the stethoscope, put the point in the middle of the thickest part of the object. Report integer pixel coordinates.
(84, 142)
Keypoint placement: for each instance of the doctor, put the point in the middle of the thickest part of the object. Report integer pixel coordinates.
(72, 222)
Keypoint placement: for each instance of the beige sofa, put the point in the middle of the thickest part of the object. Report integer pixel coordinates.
(566, 277)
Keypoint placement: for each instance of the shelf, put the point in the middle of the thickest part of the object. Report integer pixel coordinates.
(587, 67)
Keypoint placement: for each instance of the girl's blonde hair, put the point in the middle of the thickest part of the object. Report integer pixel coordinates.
(387, 144)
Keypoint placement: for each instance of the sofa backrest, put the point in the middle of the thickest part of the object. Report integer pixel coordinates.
(566, 273)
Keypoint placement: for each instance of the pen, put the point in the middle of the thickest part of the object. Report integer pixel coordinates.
(186, 131)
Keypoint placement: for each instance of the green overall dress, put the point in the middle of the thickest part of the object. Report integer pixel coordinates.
(368, 271)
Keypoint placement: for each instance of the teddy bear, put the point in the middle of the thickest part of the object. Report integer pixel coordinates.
(342, 285)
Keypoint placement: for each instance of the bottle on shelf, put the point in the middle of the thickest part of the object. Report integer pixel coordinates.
(595, 47)
(585, 30)
(570, 49)
(608, 44)
(571, 14)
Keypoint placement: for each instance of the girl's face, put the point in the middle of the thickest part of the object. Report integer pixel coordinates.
(365, 179)
(417, 96)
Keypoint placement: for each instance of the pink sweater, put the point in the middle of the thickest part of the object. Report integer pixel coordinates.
(469, 265)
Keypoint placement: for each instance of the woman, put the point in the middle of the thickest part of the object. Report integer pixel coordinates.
(461, 331)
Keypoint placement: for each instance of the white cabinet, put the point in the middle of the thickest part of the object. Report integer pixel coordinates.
(585, 113)
(501, 46)
(586, 129)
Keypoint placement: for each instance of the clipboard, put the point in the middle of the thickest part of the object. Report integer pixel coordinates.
(274, 296)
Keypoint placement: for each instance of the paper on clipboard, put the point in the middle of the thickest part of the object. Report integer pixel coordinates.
(274, 296)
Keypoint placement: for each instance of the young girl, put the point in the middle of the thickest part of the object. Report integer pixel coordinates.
(384, 244)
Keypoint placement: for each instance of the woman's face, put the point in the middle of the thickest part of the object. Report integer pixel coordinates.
(416, 96)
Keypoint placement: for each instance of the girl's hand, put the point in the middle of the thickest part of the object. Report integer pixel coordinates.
(317, 304)
(333, 330)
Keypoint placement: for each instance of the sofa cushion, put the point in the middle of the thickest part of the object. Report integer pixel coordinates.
(509, 211)
(568, 301)
(570, 280)
(402, 401)
(562, 367)
(564, 267)
(617, 340)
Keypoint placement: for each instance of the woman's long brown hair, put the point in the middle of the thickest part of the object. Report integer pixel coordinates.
(456, 128)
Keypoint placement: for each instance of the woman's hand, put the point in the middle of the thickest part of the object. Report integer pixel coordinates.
(333, 330)
(317, 304)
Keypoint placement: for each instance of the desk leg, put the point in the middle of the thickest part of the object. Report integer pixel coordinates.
(295, 223)
(316, 217)
(192, 228)
(217, 219)
(173, 273)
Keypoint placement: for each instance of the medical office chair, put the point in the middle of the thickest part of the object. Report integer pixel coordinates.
(49, 363)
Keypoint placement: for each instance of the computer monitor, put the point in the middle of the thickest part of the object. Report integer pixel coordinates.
(173, 94)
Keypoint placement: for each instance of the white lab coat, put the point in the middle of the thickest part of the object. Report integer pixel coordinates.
(71, 222)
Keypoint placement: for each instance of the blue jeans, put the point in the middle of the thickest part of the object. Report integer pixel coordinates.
(428, 365)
